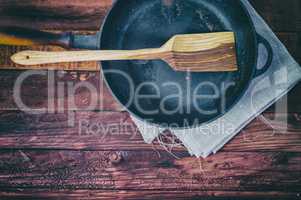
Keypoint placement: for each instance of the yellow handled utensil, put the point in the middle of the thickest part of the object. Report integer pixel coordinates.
(206, 52)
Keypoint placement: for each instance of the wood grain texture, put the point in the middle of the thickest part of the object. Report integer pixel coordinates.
(38, 86)
(116, 131)
(291, 40)
(150, 170)
(207, 52)
(7, 64)
(281, 16)
(258, 164)
(211, 52)
(54, 14)
(88, 14)
(222, 58)
(7, 51)
(28, 37)
(37, 194)
(68, 91)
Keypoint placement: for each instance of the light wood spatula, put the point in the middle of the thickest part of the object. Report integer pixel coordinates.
(209, 52)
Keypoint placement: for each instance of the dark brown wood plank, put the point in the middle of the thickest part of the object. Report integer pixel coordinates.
(37, 86)
(115, 171)
(280, 15)
(7, 51)
(6, 64)
(150, 170)
(37, 194)
(293, 100)
(87, 15)
(292, 41)
(116, 131)
(54, 14)
(79, 90)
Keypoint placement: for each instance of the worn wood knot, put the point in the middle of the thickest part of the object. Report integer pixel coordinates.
(115, 158)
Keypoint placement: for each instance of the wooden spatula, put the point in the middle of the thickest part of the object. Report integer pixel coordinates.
(210, 52)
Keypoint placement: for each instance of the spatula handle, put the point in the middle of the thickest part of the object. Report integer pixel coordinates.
(40, 57)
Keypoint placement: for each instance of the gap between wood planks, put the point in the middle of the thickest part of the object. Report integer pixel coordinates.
(60, 171)
(104, 130)
(228, 171)
(144, 194)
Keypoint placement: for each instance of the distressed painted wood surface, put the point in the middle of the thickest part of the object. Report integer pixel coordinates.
(47, 156)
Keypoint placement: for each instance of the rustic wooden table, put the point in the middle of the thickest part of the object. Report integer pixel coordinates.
(46, 156)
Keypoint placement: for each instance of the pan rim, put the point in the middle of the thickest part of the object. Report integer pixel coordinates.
(159, 126)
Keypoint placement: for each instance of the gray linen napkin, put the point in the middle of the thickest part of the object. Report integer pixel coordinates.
(283, 74)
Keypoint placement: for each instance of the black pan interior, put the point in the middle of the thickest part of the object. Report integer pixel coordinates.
(135, 24)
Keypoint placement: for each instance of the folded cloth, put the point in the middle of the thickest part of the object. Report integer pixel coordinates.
(283, 74)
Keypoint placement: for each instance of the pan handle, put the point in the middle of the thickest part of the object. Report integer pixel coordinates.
(30, 37)
(269, 59)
